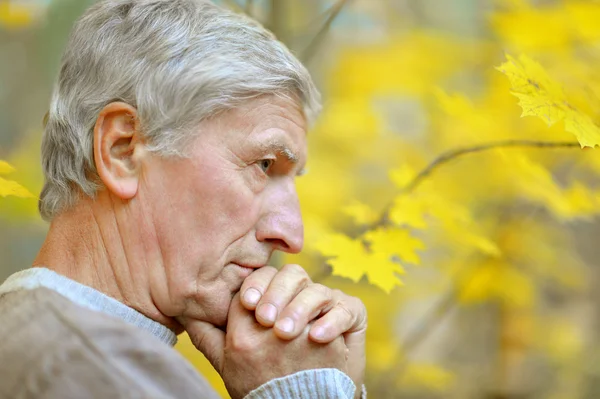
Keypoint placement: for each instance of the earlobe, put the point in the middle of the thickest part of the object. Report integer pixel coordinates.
(116, 147)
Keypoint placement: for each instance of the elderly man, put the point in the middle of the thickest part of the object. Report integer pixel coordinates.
(175, 133)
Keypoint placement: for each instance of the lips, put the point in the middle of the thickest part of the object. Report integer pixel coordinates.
(250, 264)
(245, 269)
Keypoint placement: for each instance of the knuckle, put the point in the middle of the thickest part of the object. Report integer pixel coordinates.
(358, 311)
(267, 269)
(323, 291)
(358, 304)
(240, 343)
(296, 270)
(346, 311)
(260, 278)
(296, 312)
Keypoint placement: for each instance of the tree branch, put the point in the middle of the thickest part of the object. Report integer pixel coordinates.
(451, 155)
(314, 44)
(457, 153)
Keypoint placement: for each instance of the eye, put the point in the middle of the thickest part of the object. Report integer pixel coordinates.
(265, 164)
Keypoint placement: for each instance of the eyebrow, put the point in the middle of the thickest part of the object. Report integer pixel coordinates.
(280, 149)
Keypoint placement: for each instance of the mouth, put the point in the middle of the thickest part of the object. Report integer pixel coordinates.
(244, 270)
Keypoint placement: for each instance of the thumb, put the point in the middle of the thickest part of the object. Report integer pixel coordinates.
(208, 339)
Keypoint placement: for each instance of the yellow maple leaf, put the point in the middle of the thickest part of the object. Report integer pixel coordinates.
(537, 184)
(10, 187)
(395, 242)
(540, 96)
(409, 211)
(5, 168)
(350, 258)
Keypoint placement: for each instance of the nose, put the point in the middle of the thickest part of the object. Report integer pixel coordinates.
(281, 222)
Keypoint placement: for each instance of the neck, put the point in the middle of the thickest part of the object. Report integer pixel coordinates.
(96, 248)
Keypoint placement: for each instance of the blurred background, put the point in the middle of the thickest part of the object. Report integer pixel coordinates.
(468, 230)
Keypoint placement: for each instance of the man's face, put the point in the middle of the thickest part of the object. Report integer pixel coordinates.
(221, 213)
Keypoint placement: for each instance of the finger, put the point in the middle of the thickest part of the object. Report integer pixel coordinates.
(349, 315)
(304, 308)
(283, 288)
(243, 332)
(255, 285)
(208, 339)
(238, 317)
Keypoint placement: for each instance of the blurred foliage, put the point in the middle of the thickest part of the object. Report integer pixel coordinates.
(429, 168)
(447, 186)
(11, 187)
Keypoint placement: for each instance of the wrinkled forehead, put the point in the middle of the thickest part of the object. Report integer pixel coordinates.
(274, 124)
(267, 124)
(267, 113)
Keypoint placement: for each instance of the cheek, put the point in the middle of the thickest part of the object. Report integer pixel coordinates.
(228, 203)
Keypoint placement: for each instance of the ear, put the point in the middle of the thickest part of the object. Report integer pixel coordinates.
(117, 146)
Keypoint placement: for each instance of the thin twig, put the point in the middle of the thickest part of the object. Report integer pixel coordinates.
(459, 152)
(314, 44)
(456, 153)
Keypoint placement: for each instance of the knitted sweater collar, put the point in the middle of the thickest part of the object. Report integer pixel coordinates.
(87, 297)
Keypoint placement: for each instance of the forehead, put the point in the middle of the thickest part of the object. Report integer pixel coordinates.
(267, 122)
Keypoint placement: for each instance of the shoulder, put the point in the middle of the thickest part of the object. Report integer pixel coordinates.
(46, 338)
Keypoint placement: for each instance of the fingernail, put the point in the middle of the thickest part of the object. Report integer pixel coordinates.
(285, 325)
(268, 312)
(318, 332)
(252, 296)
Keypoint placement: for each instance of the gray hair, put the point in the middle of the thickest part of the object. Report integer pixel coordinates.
(177, 61)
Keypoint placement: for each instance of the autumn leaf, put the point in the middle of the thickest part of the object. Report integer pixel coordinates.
(409, 211)
(395, 242)
(540, 96)
(351, 258)
(5, 168)
(10, 187)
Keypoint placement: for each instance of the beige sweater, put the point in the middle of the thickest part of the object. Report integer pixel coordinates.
(52, 348)
(61, 339)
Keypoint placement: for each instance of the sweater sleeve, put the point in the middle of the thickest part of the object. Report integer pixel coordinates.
(307, 384)
(51, 348)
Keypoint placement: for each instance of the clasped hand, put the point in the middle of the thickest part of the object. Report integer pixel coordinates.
(281, 323)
